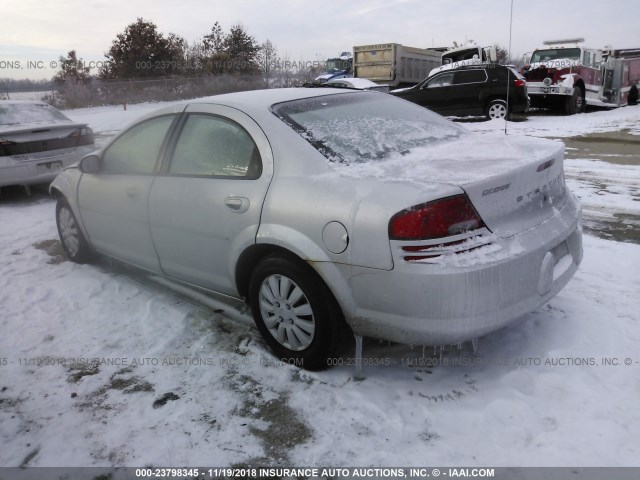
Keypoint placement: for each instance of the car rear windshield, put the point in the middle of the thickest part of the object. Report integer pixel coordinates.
(17, 113)
(361, 127)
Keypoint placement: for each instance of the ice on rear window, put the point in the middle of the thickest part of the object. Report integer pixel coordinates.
(18, 113)
(364, 127)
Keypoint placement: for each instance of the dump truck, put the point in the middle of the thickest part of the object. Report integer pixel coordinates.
(394, 64)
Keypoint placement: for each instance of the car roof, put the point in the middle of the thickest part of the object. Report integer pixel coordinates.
(477, 66)
(488, 67)
(255, 103)
(261, 100)
(23, 102)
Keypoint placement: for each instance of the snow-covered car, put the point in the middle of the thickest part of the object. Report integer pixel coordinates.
(329, 211)
(356, 83)
(37, 142)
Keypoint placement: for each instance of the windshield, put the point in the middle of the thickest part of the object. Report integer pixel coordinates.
(361, 126)
(17, 113)
(337, 64)
(468, 54)
(555, 54)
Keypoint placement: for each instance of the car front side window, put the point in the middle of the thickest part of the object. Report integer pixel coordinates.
(136, 151)
(210, 145)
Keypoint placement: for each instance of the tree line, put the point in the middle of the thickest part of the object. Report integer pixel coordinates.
(142, 51)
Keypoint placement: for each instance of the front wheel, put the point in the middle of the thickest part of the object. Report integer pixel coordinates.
(294, 311)
(575, 103)
(73, 242)
(496, 109)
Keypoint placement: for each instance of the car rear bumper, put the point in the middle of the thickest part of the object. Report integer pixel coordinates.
(441, 303)
(39, 168)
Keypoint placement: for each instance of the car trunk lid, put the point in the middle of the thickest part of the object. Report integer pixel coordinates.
(513, 183)
(21, 141)
(523, 186)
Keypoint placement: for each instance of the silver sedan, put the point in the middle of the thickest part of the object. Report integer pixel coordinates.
(37, 142)
(331, 212)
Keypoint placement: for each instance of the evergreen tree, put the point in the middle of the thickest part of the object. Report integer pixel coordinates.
(214, 41)
(71, 68)
(242, 49)
(142, 51)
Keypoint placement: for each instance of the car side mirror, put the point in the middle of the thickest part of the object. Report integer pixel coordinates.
(90, 164)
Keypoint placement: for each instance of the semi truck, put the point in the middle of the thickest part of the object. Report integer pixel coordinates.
(394, 64)
(338, 67)
(567, 75)
(470, 54)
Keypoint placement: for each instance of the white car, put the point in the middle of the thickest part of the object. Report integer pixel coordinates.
(356, 83)
(331, 211)
(37, 142)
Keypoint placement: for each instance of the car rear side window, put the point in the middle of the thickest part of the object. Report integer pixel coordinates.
(137, 150)
(214, 146)
(469, 76)
(443, 80)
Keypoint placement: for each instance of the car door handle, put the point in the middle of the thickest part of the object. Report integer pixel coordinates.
(132, 192)
(237, 204)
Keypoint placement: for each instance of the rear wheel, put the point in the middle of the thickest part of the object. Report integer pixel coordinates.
(294, 311)
(575, 103)
(73, 242)
(633, 95)
(496, 109)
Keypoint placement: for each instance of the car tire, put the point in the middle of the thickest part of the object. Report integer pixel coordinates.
(575, 103)
(496, 109)
(73, 242)
(632, 99)
(295, 312)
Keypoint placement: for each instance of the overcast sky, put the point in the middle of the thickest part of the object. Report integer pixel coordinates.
(38, 31)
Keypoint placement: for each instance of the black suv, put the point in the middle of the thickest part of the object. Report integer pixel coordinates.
(471, 90)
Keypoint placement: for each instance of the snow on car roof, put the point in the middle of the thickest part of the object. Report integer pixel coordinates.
(256, 103)
(356, 82)
(264, 99)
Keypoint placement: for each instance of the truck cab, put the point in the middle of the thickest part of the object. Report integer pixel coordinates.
(338, 67)
(564, 74)
(470, 54)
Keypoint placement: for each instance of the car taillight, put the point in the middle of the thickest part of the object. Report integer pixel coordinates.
(440, 218)
(81, 132)
(519, 83)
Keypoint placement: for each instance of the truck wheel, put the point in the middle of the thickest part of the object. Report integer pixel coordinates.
(633, 95)
(496, 109)
(575, 103)
(295, 312)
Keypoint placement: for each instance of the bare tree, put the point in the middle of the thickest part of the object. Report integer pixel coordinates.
(268, 60)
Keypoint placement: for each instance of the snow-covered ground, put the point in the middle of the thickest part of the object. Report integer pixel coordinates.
(102, 365)
(540, 124)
